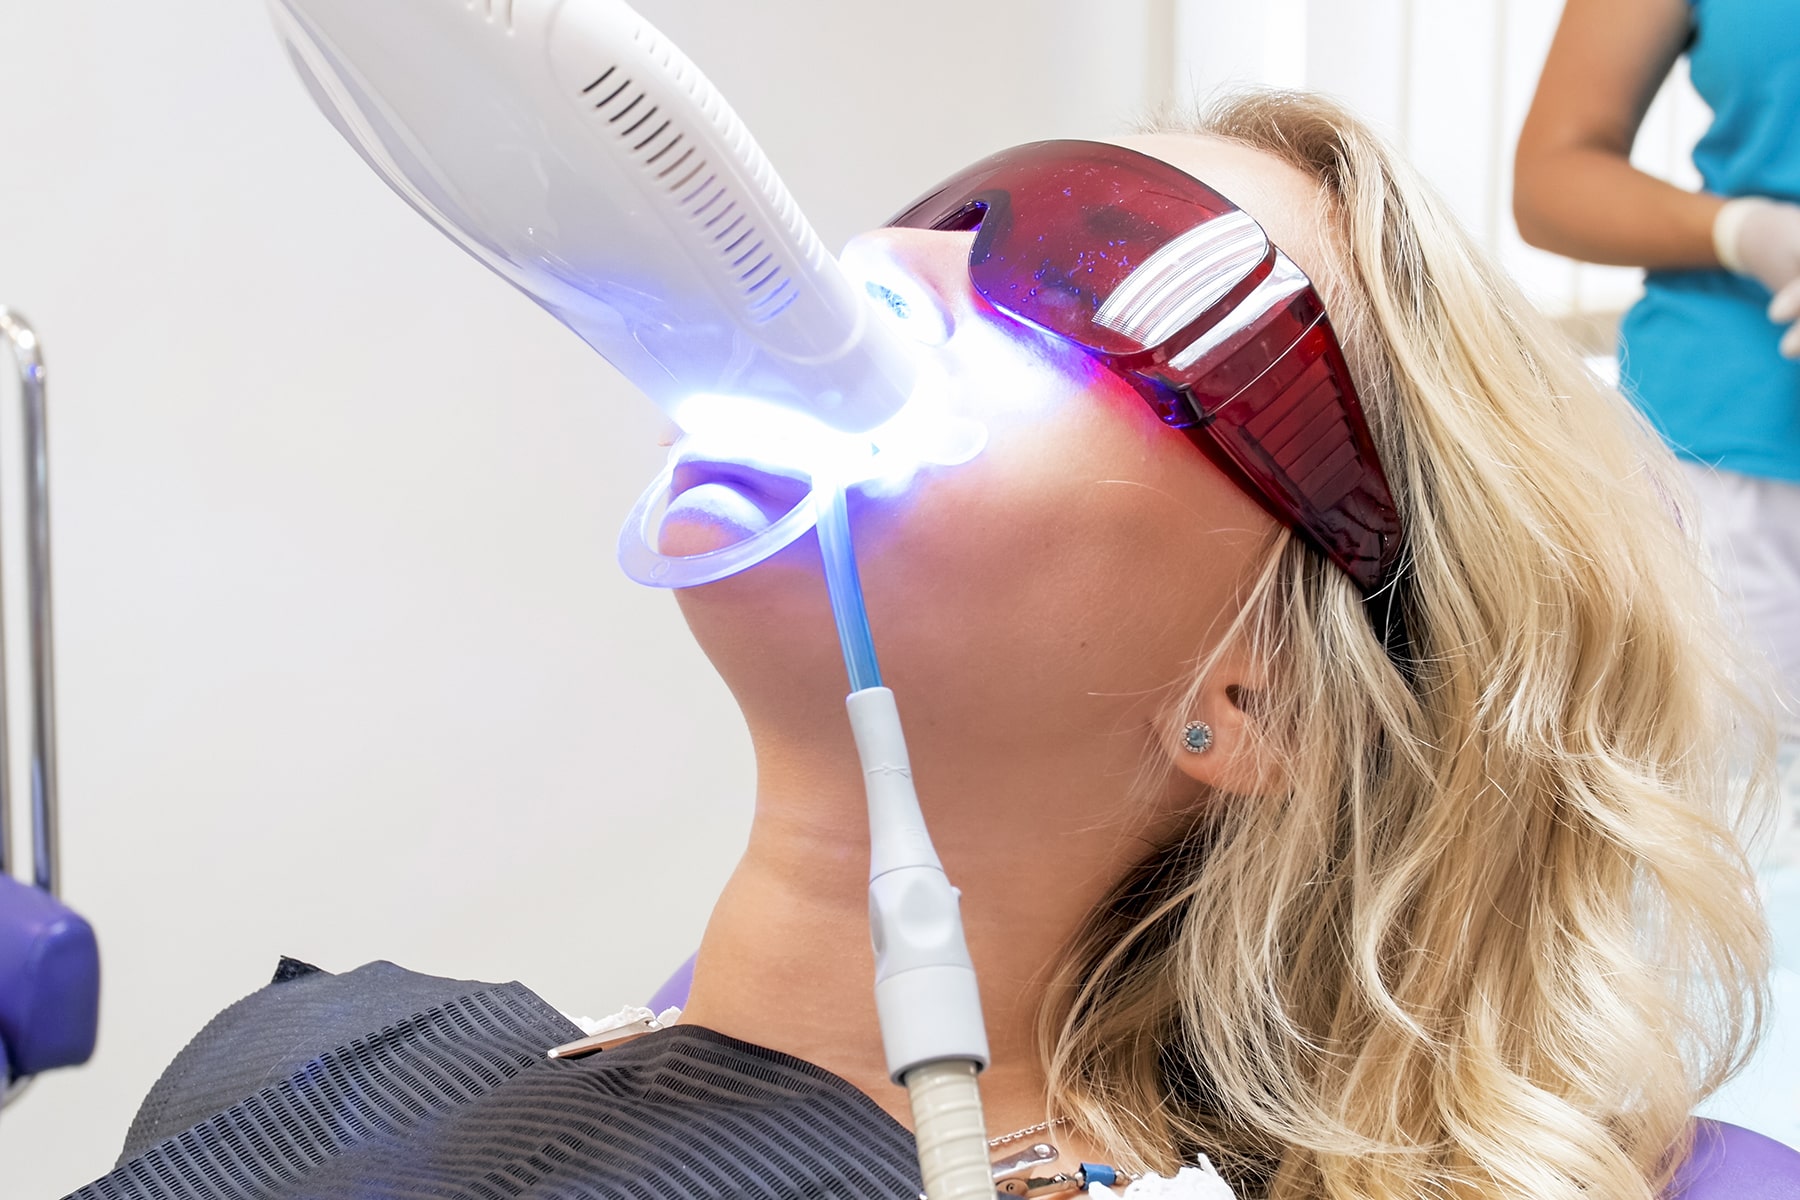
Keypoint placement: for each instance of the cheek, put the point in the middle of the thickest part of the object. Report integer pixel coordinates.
(1075, 568)
(1088, 555)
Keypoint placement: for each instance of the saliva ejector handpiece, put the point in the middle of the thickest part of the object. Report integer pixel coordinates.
(578, 153)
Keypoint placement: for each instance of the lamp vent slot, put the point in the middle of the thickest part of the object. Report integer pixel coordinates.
(616, 91)
(678, 165)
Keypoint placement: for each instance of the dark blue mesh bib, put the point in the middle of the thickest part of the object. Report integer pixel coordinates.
(385, 1083)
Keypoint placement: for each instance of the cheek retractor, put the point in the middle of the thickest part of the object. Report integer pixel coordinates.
(579, 154)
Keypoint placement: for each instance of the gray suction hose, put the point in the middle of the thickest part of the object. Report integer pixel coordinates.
(950, 1130)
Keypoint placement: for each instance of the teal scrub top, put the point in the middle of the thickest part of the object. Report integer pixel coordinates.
(1698, 352)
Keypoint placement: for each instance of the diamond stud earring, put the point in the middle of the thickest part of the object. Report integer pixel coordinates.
(1197, 738)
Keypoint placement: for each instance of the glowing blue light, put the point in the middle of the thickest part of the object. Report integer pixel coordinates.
(882, 461)
(770, 437)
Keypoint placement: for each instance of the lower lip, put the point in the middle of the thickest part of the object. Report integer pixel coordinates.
(711, 514)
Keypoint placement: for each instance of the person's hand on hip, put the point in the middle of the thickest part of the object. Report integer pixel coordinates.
(1760, 238)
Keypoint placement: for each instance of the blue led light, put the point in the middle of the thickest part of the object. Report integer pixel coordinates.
(769, 437)
(763, 434)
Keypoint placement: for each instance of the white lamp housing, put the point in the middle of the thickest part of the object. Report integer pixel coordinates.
(576, 151)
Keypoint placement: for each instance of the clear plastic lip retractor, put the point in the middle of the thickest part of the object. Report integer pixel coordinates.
(736, 431)
(645, 564)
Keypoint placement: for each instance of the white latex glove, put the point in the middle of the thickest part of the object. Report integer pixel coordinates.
(1759, 237)
(1785, 310)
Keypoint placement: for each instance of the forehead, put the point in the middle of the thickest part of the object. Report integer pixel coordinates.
(1289, 205)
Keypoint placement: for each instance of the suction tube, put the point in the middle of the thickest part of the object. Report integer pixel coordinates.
(950, 1131)
(925, 995)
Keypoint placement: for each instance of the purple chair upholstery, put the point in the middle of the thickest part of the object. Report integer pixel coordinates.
(1731, 1163)
(1728, 1162)
(49, 983)
(674, 991)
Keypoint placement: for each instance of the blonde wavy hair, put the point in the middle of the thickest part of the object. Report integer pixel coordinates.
(1489, 932)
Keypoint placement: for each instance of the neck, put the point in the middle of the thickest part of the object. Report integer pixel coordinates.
(786, 962)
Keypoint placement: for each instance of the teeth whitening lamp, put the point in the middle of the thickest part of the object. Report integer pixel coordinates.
(578, 153)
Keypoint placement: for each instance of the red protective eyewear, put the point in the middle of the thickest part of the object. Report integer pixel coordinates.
(1182, 293)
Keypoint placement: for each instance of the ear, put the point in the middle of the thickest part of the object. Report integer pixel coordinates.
(1225, 702)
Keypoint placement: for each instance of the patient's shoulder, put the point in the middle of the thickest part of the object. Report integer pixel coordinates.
(1732, 1163)
(275, 1031)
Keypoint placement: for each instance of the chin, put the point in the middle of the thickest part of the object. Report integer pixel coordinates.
(767, 630)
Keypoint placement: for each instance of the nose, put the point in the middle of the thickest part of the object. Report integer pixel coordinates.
(920, 276)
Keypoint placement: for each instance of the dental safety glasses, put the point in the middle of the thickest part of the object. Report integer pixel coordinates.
(1179, 291)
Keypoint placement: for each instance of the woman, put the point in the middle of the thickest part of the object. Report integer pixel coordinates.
(1328, 865)
(1712, 350)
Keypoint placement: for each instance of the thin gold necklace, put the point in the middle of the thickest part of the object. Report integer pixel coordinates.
(1040, 1127)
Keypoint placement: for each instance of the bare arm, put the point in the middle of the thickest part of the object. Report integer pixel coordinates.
(1574, 189)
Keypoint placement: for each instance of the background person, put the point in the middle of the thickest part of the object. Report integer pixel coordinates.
(1712, 351)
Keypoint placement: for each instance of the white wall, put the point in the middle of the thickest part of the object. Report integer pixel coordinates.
(347, 668)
